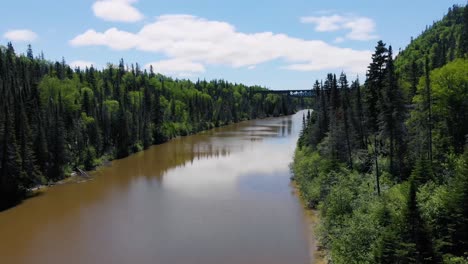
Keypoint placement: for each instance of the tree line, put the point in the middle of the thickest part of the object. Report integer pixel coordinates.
(55, 119)
(386, 162)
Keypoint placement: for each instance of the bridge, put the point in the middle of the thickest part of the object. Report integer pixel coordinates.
(291, 93)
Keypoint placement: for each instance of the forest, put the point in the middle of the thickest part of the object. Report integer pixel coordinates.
(55, 119)
(385, 163)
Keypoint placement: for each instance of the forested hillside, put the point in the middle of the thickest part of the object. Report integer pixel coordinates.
(440, 43)
(386, 163)
(54, 119)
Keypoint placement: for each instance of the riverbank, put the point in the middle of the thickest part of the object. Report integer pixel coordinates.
(312, 220)
(80, 176)
(73, 178)
(76, 176)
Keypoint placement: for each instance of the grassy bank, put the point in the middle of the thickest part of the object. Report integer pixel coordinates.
(312, 218)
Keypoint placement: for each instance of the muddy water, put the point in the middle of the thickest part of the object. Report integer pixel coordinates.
(222, 196)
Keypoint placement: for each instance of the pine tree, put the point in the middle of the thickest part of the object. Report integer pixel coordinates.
(147, 116)
(347, 112)
(459, 195)
(57, 143)
(158, 136)
(302, 133)
(40, 148)
(123, 137)
(376, 77)
(416, 230)
(29, 52)
(414, 78)
(29, 163)
(391, 118)
(428, 109)
(358, 117)
(320, 127)
(464, 41)
(10, 173)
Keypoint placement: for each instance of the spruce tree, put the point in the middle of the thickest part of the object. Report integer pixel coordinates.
(358, 117)
(416, 231)
(347, 112)
(29, 52)
(58, 149)
(123, 137)
(376, 77)
(10, 173)
(391, 119)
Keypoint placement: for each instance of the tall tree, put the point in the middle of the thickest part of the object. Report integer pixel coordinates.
(11, 175)
(376, 76)
(392, 118)
(347, 113)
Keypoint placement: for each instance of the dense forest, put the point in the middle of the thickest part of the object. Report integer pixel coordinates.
(386, 163)
(55, 119)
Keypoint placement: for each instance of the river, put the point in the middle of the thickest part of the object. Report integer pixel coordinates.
(221, 196)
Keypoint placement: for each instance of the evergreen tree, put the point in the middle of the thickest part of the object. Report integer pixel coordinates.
(428, 109)
(29, 164)
(392, 119)
(376, 77)
(336, 119)
(415, 234)
(29, 52)
(347, 112)
(58, 151)
(123, 138)
(11, 175)
(358, 117)
(464, 36)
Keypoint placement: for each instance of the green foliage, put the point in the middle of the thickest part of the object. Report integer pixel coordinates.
(90, 160)
(392, 186)
(442, 42)
(51, 88)
(450, 101)
(449, 105)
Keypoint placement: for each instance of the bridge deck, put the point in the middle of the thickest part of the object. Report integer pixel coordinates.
(292, 93)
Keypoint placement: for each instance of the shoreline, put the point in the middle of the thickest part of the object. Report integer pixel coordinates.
(316, 253)
(74, 177)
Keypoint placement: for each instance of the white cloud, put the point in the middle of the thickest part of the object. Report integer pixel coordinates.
(361, 28)
(20, 35)
(179, 67)
(325, 23)
(185, 38)
(82, 64)
(114, 38)
(339, 40)
(117, 10)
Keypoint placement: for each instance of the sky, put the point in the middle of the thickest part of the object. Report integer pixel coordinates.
(275, 44)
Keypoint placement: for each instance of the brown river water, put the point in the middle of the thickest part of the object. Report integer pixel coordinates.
(222, 196)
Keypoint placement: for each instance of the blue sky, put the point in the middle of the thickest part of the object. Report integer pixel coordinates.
(277, 44)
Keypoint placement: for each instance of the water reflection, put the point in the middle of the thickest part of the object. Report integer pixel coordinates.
(220, 196)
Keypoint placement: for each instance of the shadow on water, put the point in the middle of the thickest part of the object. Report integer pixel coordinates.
(7, 205)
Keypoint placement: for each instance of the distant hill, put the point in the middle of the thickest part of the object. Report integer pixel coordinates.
(443, 42)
